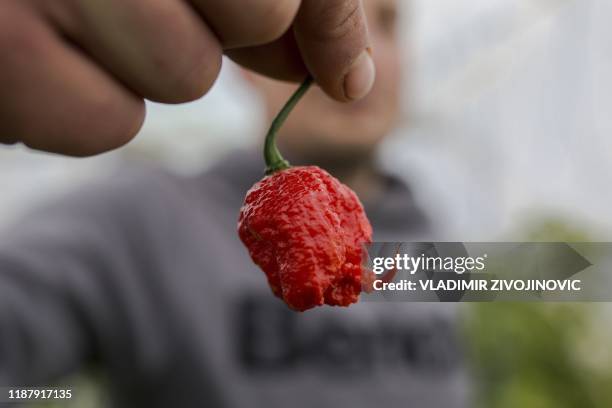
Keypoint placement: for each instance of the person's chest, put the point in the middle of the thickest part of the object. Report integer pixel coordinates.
(251, 350)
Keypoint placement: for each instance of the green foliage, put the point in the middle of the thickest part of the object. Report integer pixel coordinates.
(539, 355)
(523, 355)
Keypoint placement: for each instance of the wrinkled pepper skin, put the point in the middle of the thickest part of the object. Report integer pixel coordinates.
(306, 231)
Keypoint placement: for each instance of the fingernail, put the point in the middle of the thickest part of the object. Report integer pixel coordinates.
(360, 78)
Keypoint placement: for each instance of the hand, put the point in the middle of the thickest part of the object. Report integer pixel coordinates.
(74, 73)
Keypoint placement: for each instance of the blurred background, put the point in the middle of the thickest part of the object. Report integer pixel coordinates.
(505, 136)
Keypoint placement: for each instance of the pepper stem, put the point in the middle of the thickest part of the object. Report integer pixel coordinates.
(274, 160)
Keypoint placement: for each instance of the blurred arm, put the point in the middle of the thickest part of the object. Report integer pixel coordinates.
(68, 288)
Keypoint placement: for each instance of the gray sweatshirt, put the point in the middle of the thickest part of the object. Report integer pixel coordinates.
(144, 276)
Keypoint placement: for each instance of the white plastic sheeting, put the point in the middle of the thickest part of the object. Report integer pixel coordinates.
(510, 112)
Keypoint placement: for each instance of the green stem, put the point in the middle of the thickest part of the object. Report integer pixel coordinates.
(274, 160)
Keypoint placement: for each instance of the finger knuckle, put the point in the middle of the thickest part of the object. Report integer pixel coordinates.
(337, 20)
(127, 128)
(93, 126)
(111, 121)
(196, 77)
(16, 40)
(278, 16)
(188, 76)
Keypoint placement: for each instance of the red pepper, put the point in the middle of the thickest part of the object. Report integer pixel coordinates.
(305, 230)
